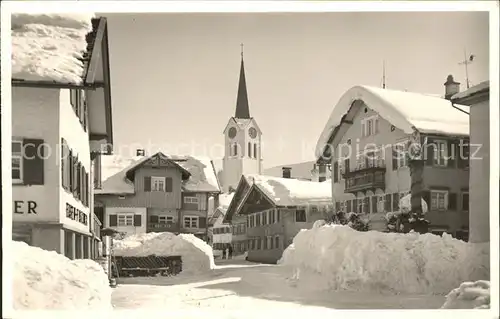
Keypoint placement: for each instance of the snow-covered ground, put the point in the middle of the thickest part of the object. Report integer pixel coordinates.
(470, 295)
(338, 257)
(197, 256)
(46, 280)
(245, 289)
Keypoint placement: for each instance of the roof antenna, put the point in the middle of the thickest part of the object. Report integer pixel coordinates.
(383, 75)
(467, 60)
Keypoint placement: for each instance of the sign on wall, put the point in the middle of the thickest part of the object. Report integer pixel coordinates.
(75, 214)
(24, 207)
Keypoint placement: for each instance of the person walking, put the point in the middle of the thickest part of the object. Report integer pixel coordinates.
(227, 252)
(230, 251)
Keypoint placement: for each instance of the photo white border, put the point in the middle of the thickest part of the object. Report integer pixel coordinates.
(249, 6)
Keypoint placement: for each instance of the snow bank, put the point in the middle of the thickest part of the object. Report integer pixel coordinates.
(470, 295)
(197, 256)
(49, 46)
(291, 192)
(342, 258)
(46, 280)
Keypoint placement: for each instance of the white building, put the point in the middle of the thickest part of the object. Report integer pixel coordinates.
(61, 117)
(478, 98)
(222, 233)
(242, 141)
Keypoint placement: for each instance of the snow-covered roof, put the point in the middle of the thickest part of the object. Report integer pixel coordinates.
(405, 110)
(292, 192)
(225, 199)
(114, 168)
(473, 90)
(49, 47)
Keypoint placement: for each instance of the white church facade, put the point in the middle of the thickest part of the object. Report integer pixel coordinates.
(242, 140)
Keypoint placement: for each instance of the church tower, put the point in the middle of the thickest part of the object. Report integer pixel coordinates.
(242, 138)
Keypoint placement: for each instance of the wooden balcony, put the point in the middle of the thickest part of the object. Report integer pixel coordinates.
(365, 178)
(162, 227)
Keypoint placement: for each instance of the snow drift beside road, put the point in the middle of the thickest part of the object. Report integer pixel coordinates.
(470, 295)
(339, 257)
(46, 280)
(197, 256)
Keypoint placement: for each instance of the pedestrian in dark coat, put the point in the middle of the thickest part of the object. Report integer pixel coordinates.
(230, 251)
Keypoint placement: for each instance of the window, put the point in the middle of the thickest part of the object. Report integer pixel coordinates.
(190, 221)
(190, 200)
(257, 219)
(270, 242)
(235, 149)
(465, 201)
(380, 203)
(373, 157)
(255, 150)
(399, 155)
(264, 218)
(125, 219)
(165, 219)
(360, 160)
(439, 200)
(17, 161)
(300, 216)
(369, 126)
(250, 149)
(258, 241)
(441, 153)
(277, 242)
(157, 184)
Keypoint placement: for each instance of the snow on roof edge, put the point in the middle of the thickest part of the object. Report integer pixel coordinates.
(473, 90)
(380, 100)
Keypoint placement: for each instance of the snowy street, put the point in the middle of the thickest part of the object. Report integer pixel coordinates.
(246, 286)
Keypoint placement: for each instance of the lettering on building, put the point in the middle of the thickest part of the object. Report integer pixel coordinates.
(75, 214)
(25, 207)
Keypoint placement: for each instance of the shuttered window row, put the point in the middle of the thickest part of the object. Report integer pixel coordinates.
(75, 178)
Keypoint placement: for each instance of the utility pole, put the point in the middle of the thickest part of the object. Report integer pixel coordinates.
(467, 60)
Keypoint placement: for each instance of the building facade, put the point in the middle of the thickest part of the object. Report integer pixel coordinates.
(157, 193)
(58, 129)
(242, 140)
(478, 98)
(368, 151)
(268, 221)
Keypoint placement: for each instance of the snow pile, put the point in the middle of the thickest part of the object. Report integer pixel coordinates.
(470, 295)
(342, 258)
(405, 110)
(49, 47)
(197, 256)
(46, 280)
(291, 192)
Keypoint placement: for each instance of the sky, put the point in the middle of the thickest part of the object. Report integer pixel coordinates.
(174, 76)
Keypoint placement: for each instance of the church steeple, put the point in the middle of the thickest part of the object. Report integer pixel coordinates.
(242, 109)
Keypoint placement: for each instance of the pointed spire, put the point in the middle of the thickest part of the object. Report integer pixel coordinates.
(242, 108)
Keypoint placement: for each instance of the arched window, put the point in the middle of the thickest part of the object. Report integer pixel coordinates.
(255, 150)
(235, 149)
(250, 149)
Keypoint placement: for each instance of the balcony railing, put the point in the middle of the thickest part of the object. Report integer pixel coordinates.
(368, 176)
(162, 227)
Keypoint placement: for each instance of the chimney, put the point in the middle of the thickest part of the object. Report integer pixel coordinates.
(450, 87)
(140, 152)
(287, 172)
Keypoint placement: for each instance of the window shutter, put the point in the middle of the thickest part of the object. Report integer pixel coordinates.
(153, 219)
(348, 205)
(388, 203)
(147, 183)
(86, 189)
(335, 172)
(429, 152)
(452, 201)
(202, 222)
(394, 158)
(395, 202)
(465, 202)
(346, 166)
(452, 154)
(168, 184)
(113, 220)
(33, 161)
(426, 196)
(137, 220)
(374, 204)
(78, 180)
